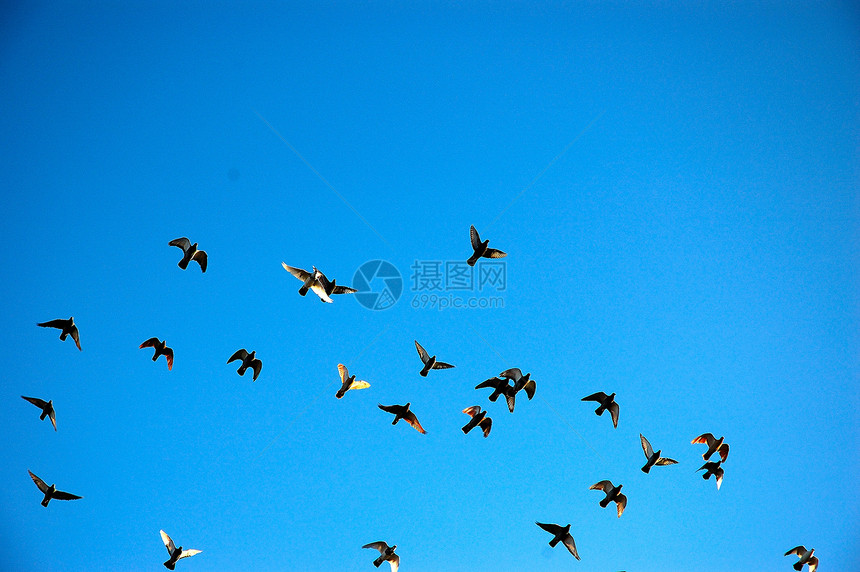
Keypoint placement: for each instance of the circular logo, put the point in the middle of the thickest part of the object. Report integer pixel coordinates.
(378, 284)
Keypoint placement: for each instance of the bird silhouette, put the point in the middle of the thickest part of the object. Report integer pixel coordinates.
(560, 534)
(385, 553)
(520, 381)
(613, 494)
(429, 362)
(403, 412)
(712, 468)
(348, 382)
(714, 445)
(161, 349)
(176, 554)
(248, 360)
(606, 402)
(51, 492)
(47, 408)
(805, 557)
(652, 457)
(478, 417)
(480, 248)
(189, 252)
(332, 289)
(500, 387)
(66, 327)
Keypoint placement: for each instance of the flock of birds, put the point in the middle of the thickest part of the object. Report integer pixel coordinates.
(508, 384)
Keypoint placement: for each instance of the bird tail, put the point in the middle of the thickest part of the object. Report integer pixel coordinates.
(43, 415)
(423, 373)
(378, 561)
(646, 468)
(798, 566)
(303, 290)
(63, 336)
(466, 428)
(155, 357)
(183, 264)
(604, 503)
(553, 542)
(472, 260)
(45, 501)
(169, 565)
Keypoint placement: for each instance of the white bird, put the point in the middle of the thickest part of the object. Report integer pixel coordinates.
(805, 556)
(348, 382)
(310, 281)
(176, 554)
(385, 553)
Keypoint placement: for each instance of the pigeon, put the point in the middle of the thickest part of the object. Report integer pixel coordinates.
(385, 553)
(331, 288)
(47, 408)
(606, 402)
(51, 492)
(712, 468)
(317, 282)
(68, 328)
(478, 417)
(481, 249)
(653, 458)
(560, 534)
(612, 494)
(248, 360)
(402, 412)
(520, 382)
(714, 445)
(176, 554)
(348, 382)
(429, 362)
(161, 349)
(500, 387)
(190, 252)
(805, 557)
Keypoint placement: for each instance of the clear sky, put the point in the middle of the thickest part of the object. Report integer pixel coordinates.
(677, 191)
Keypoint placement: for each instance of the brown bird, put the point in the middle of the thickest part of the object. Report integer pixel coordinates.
(348, 382)
(67, 327)
(606, 402)
(248, 360)
(805, 557)
(402, 412)
(190, 252)
(653, 458)
(51, 492)
(47, 408)
(161, 349)
(480, 248)
(714, 445)
(478, 417)
(612, 494)
(560, 534)
(385, 553)
(175, 553)
(712, 468)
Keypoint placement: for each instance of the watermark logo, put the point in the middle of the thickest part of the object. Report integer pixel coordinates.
(378, 284)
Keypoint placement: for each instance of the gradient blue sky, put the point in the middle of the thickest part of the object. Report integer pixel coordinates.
(694, 249)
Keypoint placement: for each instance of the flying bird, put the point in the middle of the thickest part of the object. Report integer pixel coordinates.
(190, 252)
(67, 327)
(712, 468)
(653, 458)
(348, 382)
(612, 494)
(176, 554)
(714, 445)
(402, 412)
(500, 387)
(478, 417)
(385, 553)
(161, 349)
(317, 282)
(480, 248)
(331, 288)
(560, 534)
(51, 492)
(606, 402)
(520, 382)
(805, 557)
(248, 360)
(429, 362)
(47, 408)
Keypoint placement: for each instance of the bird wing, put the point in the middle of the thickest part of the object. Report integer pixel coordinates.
(182, 243)
(297, 272)
(553, 529)
(530, 388)
(343, 290)
(493, 382)
(168, 542)
(240, 354)
(62, 495)
(613, 410)
(257, 366)
(599, 397)
(39, 482)
(187, 553)
(150, 343)
(704, 438)
(442, 365)
(202, 260)
(513, 374)
(724, 451)
(344, 373)
(646, 446)
(394, 561)
(53, 416)
(494, 253)
(358, 384)
(36, 401)
(76, 336)
(54, 324)
(621, 501)
(798, 550)
(379, 545)
(486, 424)
(395, 409)
(472, 411)
(666, 461)
(412, 420)
(168, 355)
(474, 237)
(571, 546)
(813, 563)
(602, 486)
(511, 398)
(422, 352)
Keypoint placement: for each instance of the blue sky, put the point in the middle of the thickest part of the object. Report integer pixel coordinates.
(677, 191)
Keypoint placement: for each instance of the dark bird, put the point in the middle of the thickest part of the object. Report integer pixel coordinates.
(385, 553)
(348, 382)
(714, 445)
(712, 468)
(478, 417)
(161, 349)
(520, 381)
(176, 554)
(402, 412)
(190, 252)
(248, 360)
(51, 492)
(47, 408)
(480, 248)
(67, 327)
(429, 361)
(805, 557)
(560, 534)
(653, 458)
(331, 288)
(500, 387)
(612, 494)
(606, 402)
